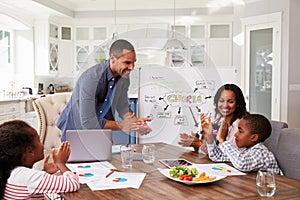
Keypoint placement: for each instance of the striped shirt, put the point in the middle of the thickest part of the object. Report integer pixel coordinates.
(26, 183)
(246, 160)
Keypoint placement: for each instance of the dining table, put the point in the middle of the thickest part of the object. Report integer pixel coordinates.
(157, 186)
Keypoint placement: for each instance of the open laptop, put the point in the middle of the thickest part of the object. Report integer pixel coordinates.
(90, 145)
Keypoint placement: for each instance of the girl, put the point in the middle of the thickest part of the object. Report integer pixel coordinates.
(230, 107)
(20, 148)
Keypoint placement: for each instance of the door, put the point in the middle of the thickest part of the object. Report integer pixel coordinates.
(262, 77)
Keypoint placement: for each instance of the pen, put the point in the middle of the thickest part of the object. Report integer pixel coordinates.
(110, 173)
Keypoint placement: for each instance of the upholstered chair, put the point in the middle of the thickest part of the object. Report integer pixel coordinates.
(272, 141)
(288, 152)
(48, 110)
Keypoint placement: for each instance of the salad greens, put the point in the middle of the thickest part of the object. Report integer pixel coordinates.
(177, 171)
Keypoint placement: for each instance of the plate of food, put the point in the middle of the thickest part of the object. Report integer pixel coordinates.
(189, 175)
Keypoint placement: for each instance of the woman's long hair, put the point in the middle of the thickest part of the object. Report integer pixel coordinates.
(240, 110)
(15, 138)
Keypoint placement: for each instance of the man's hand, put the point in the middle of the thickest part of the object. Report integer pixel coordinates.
(131, 123)
(144, 128)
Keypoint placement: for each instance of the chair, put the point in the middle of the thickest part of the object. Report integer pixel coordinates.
(288, 152)
(272, 141)
(48, 110)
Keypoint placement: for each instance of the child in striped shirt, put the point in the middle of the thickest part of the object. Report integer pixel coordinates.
(20, 148)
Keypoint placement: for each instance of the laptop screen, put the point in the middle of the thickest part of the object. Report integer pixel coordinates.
(90, 145)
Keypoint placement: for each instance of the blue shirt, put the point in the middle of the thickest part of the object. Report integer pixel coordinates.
(97, 97)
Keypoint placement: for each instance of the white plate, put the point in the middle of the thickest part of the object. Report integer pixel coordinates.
(165, 172)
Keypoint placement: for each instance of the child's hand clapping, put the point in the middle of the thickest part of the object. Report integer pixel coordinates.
(61, 155)
(49, 167)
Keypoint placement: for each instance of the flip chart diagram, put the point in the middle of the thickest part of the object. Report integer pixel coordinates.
(174, 97)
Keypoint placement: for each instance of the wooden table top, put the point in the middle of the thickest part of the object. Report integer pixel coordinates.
(156, 186)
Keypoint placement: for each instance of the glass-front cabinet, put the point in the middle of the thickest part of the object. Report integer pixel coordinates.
(82, 55)
(53, 57)
(87, 47)
(99, 54)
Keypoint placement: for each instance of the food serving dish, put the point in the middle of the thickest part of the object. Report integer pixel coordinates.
(165, 172)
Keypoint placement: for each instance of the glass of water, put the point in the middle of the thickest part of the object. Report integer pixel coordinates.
(126, 155)
(265, 183)
(148, 153)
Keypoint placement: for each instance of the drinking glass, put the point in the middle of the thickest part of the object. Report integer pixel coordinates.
(126, 155)
(148, 153)
(265, 183)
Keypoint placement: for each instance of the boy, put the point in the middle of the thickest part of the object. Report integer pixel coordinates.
(253, 129)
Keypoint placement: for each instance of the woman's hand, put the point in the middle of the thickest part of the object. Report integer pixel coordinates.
(190, 141)
(223, 131)
(207, 128)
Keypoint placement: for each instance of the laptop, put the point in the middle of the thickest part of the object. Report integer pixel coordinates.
(90, 145)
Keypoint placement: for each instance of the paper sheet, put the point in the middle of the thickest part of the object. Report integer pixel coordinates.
(90, 171)
(117, 180)
(94, 175)
(221, 169)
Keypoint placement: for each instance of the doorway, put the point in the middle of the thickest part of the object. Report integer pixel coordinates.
(262, 64)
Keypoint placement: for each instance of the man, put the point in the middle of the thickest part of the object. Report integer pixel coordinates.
(101, 93)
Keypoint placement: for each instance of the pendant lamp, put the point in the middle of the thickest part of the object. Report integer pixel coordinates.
(115, 35)
(173, 43)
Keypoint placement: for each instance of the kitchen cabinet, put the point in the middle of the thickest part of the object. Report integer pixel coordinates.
(213, 44)
(66, 33)
(53, 57)
(53, 44)
(220, 44)
(12, 109)
(88, 46)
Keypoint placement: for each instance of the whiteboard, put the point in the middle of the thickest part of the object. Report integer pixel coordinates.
(174, 97)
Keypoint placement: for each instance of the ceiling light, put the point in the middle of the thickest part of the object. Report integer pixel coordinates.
(173, 43)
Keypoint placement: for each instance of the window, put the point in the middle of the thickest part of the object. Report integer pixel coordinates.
(5, 47)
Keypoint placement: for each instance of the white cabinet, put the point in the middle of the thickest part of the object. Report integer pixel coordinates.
(53, 44)
(220, 44)
(14, 109)
(213, 44)
(53, 57)
(89, 48)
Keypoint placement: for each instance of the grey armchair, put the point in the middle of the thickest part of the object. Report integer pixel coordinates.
(288, 152)
(272, 141)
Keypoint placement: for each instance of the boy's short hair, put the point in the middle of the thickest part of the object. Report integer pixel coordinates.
(260, 125)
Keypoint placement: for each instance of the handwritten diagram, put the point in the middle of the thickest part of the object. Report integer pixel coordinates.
(174, 98)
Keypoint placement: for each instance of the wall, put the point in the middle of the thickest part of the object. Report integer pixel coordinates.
(24, 54)
(294, 67)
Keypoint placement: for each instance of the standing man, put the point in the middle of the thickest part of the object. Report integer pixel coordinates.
(101, 93)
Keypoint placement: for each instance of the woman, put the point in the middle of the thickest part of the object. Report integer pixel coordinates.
(230, 107)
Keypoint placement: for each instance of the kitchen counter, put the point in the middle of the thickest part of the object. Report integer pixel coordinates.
(9, 99)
